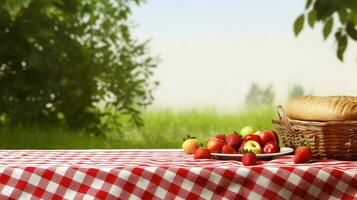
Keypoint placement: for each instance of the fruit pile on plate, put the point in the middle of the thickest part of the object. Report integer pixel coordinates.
(247, 140)
(262, 141)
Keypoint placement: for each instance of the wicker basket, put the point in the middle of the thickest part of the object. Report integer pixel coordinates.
(327, 140)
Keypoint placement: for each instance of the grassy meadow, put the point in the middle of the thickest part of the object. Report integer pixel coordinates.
(162, 129)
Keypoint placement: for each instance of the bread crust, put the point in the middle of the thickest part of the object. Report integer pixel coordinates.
(348, 98)
(323, 108)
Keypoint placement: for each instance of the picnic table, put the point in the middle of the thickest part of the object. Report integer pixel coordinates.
(167, 174)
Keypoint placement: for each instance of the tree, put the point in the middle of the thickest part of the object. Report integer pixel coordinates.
(72, 62)
(295, 91)
(326, 12)
(259, 96)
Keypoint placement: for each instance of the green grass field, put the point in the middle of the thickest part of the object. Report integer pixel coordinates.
(163, 129)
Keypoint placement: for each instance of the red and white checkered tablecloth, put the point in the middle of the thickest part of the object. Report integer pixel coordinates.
(154, 174)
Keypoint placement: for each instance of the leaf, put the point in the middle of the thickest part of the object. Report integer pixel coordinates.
(327, 27)
(342, 14)
(312, 18)
(341, 44)
(308, 4)
(14, 6)
(351, 31)
(299, 24)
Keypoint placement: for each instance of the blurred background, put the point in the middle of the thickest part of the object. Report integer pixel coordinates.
(135, 74)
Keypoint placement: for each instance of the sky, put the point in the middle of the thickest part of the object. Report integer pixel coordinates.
(211, 52)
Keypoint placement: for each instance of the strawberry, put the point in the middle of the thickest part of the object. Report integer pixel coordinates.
(202, 153)
(249, 158)
(228, 149)
(302, 154)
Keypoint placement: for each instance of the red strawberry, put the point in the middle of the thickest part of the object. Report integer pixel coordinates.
(221, 136)
(202, 153)
(228, 149)
(249, 159)
(302, 154)
(234, 140)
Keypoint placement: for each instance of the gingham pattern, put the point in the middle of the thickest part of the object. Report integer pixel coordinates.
(111, 174)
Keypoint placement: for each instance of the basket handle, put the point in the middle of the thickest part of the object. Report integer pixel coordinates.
(284, 119)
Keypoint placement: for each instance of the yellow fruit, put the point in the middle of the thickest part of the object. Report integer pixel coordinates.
(189, 146)
(246, 131)
(253, 146)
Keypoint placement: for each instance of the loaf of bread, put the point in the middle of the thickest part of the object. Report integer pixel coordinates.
(315, 108)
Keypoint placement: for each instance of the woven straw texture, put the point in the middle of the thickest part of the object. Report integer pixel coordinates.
(327, 140)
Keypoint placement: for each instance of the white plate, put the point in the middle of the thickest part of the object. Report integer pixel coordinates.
(267, 156)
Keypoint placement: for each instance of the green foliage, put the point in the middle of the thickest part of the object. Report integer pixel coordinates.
(72, 62)
(312, 18)
(342, 44)
(299, 24)
(327, 28)
(326, 12)
(14, 6)
(260, 96)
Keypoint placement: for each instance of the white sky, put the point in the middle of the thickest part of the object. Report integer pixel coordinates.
(212, 51)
